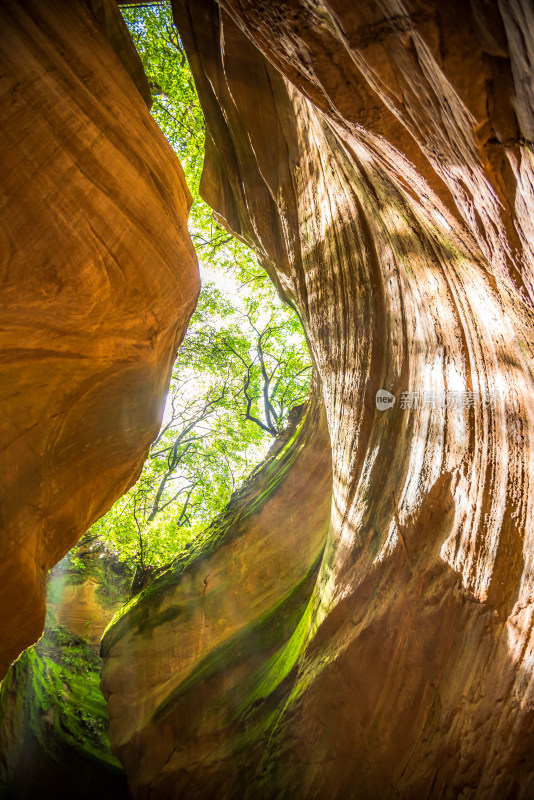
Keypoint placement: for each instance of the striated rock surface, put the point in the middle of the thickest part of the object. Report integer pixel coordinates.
(378, 156)
(98, 280)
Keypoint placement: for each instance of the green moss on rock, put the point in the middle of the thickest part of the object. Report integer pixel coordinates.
(54, 722)
(259, 487)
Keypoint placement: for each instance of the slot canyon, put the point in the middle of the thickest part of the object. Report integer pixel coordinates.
(362, 622)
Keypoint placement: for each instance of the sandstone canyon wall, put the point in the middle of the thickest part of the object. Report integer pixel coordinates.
(378, 157)
(98, 280)
(188, 654)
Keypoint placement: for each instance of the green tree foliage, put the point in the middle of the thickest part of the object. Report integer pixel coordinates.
(233, 385)
(241, 368)
(177, 111)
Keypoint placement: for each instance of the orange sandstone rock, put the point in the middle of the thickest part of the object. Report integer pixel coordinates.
(378, 157)
(98, 280)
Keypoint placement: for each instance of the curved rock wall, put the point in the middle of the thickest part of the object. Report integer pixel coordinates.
(378, 157)
(188, 653)
(99, 279)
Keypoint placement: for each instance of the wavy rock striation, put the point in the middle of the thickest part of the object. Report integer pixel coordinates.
(98, 280)
(378, 156)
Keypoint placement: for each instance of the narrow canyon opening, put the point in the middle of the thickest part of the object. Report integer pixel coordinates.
(348, 611)
(237, 394)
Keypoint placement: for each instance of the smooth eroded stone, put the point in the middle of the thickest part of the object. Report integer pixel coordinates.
(187, 654)
(98, 280)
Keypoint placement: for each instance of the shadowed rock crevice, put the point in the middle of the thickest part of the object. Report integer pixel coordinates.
(53, 716)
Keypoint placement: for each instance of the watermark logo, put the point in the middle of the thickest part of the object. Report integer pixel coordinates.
(384, 399)
(448, 399)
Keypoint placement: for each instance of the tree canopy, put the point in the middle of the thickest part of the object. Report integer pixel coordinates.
(243, 364)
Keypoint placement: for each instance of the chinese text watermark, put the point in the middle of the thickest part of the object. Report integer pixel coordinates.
(455, 399)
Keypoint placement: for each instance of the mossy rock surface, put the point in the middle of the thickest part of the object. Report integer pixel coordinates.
(54, 723)
(141, 612)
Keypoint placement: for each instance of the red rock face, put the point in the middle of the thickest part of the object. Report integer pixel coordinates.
(98, 279)
(379, 158)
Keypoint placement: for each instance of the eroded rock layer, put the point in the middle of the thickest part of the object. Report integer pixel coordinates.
(378, 156)
(98, 282)
(188, 654)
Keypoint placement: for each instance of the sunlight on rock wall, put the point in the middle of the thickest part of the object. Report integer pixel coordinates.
(231, 602)
(377, 156)
(99, 279)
